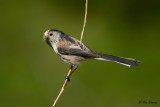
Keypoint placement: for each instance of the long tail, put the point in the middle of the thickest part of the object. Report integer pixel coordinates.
(124, 61)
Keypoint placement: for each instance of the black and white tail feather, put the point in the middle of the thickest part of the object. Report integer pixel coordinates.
(124, 61)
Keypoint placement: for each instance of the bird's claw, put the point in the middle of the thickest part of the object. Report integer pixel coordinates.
(68, 79)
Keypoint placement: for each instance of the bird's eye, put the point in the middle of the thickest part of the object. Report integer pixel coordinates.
(50, 34)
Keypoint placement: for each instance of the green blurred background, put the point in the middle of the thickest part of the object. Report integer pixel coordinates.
(31, 74)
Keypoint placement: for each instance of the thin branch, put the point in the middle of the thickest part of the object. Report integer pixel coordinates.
(70, 70)
(62, 89)
(85, 20)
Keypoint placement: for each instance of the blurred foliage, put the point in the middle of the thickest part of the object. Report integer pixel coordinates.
(31, 74)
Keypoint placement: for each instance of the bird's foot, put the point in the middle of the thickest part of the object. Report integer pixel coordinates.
(68, 79)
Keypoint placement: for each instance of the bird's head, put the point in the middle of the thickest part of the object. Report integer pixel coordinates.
(50, 36)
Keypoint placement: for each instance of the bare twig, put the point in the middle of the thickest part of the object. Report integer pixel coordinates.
(70, 70)
(62, 89)
(85, 20)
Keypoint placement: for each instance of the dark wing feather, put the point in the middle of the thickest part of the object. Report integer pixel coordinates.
(76, 52)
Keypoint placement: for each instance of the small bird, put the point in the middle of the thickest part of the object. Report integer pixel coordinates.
(73, 51)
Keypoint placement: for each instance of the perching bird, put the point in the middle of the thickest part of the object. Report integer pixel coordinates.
(73, 51)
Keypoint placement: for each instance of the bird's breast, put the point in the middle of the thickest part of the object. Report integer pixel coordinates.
(55, 48)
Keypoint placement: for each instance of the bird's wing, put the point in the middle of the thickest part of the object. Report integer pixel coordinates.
(76, 52)
(79, 45)
(71, 46)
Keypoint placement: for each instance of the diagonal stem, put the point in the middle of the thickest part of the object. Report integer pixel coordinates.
(85, 20)
(62, 89)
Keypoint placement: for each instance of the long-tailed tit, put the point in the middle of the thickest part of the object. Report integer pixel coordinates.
(73, 51)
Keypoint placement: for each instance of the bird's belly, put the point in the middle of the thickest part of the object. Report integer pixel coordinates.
(72, 59)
